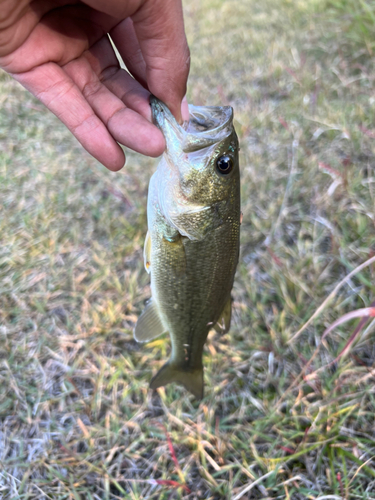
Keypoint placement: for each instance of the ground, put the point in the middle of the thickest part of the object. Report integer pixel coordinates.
(289, 405)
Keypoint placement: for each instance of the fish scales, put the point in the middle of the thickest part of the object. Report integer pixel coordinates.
(192, 319)
(192, 245)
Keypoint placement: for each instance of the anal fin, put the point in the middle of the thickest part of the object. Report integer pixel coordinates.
(223, 324)
(192, 380)
(149, 325)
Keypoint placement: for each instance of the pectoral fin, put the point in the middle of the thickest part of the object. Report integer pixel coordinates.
(223, 324)
(147, 252)
(149, 325)
(192, 380)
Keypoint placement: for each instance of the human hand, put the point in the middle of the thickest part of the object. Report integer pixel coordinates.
(61, 53)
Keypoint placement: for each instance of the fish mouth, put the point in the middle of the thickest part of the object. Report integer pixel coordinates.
(207, 125)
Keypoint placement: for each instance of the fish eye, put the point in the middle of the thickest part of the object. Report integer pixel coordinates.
(224, 164)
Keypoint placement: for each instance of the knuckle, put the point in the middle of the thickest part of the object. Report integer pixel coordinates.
(135, 58)
(91, 88)
(109, 73)
(109, 121)
(53, 92)
(86, 126)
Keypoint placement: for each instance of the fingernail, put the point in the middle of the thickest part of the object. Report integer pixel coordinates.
(185, 109)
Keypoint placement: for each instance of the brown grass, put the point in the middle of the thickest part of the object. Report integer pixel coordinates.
(77, 420)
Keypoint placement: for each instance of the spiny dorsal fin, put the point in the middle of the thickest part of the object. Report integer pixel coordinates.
(149, 325)
(223, 324)
(192, 380)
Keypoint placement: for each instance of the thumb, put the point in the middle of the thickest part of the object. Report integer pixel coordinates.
(160, 31)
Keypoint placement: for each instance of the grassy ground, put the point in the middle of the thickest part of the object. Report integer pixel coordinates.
(285, 415)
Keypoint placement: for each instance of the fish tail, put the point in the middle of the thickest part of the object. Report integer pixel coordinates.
(192, 380)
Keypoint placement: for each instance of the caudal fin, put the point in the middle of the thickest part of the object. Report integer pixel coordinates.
(192, 380)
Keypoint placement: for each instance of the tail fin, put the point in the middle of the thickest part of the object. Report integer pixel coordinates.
(192, 380)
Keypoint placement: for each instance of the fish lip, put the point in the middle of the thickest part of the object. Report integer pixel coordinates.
(207, 126)
(160, 113)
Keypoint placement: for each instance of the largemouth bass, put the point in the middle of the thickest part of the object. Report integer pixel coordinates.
(192, 244)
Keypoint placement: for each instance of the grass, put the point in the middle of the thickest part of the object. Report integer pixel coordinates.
(281, 418)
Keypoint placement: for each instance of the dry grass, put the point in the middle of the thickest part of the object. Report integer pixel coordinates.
(77, 420)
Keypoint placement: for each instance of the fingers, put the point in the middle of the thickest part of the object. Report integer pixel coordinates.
(159, 27)
(162, 59)
(52, 86)
(103, 61)
(152, 42)
(62, 35)
(99, 103)
(17, 21)
(126, 124)
(86, 89)
(126, 41)
(131, 93)
(185, 110)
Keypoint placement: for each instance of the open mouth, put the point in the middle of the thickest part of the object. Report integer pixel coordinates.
(209, 120)
(208, 125)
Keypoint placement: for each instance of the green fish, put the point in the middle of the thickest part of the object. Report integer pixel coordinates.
(192, 244)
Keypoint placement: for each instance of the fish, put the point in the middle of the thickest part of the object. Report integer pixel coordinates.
(192, 245)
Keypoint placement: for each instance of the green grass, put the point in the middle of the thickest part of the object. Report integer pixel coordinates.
(355, 20)
(77, 420)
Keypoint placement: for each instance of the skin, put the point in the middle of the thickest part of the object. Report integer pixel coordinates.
(191, 278)
(59, 50)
